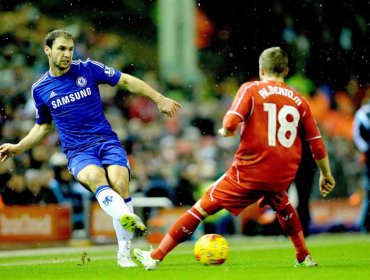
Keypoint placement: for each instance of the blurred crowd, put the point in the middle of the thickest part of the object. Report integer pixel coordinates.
(171, 157)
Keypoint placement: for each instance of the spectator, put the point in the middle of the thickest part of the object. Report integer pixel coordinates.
(361, 138)
(13, 192)
(38, 191)
(68, 191)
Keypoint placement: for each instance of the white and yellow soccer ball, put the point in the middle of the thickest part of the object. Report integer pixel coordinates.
(211, 249)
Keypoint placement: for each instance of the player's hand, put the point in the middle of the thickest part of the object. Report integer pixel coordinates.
(7, 150)
(326, 184)
(168, 106)
(226, 133)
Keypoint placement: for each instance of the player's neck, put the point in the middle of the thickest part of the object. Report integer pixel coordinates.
(273, 79)
(55, 72)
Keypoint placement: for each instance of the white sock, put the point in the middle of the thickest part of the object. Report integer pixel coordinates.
(111, 202)
(128, 202)
(123, 236)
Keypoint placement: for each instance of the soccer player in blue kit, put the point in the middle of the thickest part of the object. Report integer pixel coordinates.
(68, 95)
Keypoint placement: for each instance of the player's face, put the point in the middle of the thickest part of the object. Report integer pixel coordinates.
(61, 53)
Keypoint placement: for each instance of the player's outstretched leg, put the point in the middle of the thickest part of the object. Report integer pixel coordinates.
(181, 231)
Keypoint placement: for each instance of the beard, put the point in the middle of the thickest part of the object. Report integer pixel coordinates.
(63, 66)
(60, 65)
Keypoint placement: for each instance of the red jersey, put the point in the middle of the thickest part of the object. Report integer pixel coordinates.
(276, 119)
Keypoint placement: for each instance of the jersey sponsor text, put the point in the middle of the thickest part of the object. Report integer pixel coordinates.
(71, 98)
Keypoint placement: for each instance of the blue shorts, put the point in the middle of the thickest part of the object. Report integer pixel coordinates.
(101, 154)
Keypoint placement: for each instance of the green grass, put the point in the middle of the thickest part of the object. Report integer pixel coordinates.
(340, 256)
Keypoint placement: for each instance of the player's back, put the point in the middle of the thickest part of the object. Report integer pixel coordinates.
(270, 146)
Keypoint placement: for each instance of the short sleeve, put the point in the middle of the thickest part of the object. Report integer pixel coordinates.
(309, 124)
(42, 111)
(242, 102)
(104, 74)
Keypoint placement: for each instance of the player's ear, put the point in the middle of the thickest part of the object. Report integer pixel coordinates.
(47, 50)
(262, 70)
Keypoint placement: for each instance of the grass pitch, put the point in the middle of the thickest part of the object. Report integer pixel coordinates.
(340, 256)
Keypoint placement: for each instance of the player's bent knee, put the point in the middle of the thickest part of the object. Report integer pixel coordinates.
(206, 206)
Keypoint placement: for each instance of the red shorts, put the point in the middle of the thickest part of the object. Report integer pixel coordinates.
(228, 194)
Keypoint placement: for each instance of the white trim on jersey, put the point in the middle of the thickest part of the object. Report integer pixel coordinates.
(79, 61)
(252, 108)
(39, 81)
(235, 108)
(313, 138)
(214, 187)
(235, 113)
(101, 65)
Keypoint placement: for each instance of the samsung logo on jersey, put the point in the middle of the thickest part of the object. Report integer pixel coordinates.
(281, 91)
(71, 98)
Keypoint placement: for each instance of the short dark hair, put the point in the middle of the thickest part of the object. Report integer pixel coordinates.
(274, 60)
(51, 36)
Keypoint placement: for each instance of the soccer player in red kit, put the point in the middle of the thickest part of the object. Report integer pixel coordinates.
(275, 120)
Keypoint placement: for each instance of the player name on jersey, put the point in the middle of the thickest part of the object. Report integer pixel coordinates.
(269, 90)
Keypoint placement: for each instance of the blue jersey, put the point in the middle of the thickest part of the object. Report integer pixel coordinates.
(73, 102)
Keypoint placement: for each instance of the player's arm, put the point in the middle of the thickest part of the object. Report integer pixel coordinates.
(240, 107)
(166, 105)
(229, 125)
(326, 181)
(33, 138)
(317, 145)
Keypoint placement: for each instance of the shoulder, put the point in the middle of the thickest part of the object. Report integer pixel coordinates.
(39, 83)
(250, 85)
(86, 63)
(95, 67)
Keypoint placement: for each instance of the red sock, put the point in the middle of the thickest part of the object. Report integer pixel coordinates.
(291, 225)
(301, 250)
(183, 228)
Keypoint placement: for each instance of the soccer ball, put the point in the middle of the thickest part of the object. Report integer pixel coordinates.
(211, 249)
